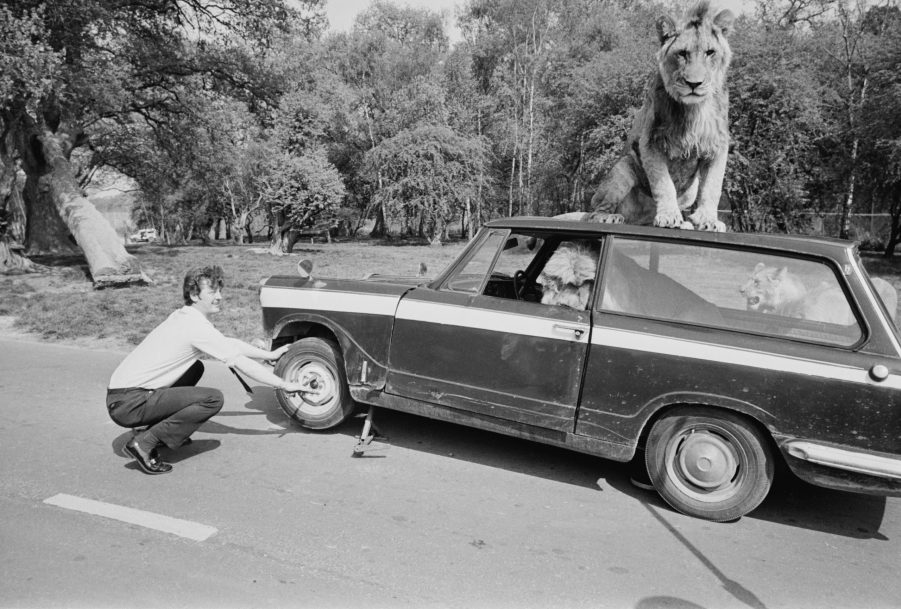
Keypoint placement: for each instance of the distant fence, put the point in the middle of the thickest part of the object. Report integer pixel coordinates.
(872, 227)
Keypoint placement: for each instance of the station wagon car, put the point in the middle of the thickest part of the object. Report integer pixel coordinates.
(624, 342)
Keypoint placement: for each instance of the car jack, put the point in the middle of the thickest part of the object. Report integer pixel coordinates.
(370, 432)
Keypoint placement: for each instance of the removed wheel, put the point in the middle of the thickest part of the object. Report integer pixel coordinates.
(709, 464)
(317, 363)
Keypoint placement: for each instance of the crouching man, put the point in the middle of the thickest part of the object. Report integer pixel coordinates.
(155, 385)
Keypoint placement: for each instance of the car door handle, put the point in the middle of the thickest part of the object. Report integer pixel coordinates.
(576, 330)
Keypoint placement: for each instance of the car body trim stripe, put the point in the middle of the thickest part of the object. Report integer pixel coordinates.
(652, 343)
(542, 327)
(323, 300)
(494, 321)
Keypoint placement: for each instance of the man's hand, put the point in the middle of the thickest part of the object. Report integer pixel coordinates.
(274, 355)
(293, 387)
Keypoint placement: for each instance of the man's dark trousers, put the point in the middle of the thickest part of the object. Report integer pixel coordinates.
(172, 413)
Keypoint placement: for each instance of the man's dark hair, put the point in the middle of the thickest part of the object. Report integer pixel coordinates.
(194, 277)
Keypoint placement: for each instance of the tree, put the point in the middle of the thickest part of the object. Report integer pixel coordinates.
(880, 120)
(389, 64)
(778, 121)
(427, 172)
(27, 65)
(122, 62)
(512, 40)
(298, 191)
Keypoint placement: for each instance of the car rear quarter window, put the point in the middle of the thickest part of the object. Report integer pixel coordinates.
(742, 290)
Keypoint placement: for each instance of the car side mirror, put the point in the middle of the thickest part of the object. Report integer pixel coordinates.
(305, 269)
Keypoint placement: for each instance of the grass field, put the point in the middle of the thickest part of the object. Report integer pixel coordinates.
(62, 304)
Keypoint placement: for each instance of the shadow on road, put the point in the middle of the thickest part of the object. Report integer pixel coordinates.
(791, 501)
(794, 502)
(261, 402)
(196, 447)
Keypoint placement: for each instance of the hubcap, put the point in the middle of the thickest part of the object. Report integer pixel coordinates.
(706, 460)
(321, 383)
(705, 464)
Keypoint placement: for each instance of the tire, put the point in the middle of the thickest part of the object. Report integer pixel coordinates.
(318, 362)
(709, 464)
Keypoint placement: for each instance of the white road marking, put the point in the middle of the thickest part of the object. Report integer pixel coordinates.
(166, 524)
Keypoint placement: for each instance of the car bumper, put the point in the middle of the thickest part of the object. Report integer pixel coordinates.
(830, 456)
(844, 469)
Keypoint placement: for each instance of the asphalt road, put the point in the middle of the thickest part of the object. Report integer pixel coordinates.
(446, 517)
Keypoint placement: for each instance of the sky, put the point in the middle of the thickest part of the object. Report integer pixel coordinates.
(341, 13)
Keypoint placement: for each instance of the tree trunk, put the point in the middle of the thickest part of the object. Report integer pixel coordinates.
(283, 240)
(12, 262)
(380, 229)
(437, 233)
(45, 231)
(470, 231)
(283, 237)
(11, 201)
(895, 229)
(51, 183)
(512, 178)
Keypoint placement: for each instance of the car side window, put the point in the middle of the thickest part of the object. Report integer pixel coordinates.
(508, 278)
(728, 288)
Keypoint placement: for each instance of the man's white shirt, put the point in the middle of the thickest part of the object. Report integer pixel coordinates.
(171, 348)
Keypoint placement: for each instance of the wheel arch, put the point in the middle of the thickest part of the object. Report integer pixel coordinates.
(666, 405)
(360, 367)
(291, 330)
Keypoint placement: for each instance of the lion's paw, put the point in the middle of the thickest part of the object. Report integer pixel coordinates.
(686, 225)
(669, 219)
(708, 222)
(606, 218)
(715, 226)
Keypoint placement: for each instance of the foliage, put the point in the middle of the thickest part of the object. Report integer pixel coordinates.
(778, 125)
(426, 173)
(27, 61)
(303, 188)
(229, 109)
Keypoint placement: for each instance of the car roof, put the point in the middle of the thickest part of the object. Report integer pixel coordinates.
(790, 243)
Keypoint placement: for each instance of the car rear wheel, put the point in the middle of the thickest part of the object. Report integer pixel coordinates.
(317, 363)
(712, 465)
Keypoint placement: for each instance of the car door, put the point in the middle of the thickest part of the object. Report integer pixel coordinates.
(681, 323)
(472, 343)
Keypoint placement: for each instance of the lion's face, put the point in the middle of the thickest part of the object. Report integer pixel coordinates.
(568, 295)
(568, 276)
(694, 56)
(764, 290)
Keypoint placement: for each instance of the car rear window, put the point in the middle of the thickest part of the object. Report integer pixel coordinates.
(740, 290)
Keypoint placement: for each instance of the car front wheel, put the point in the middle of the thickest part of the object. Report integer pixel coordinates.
(712, 465)
(316, 363)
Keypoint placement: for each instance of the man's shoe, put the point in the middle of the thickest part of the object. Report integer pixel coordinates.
(149, 464)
